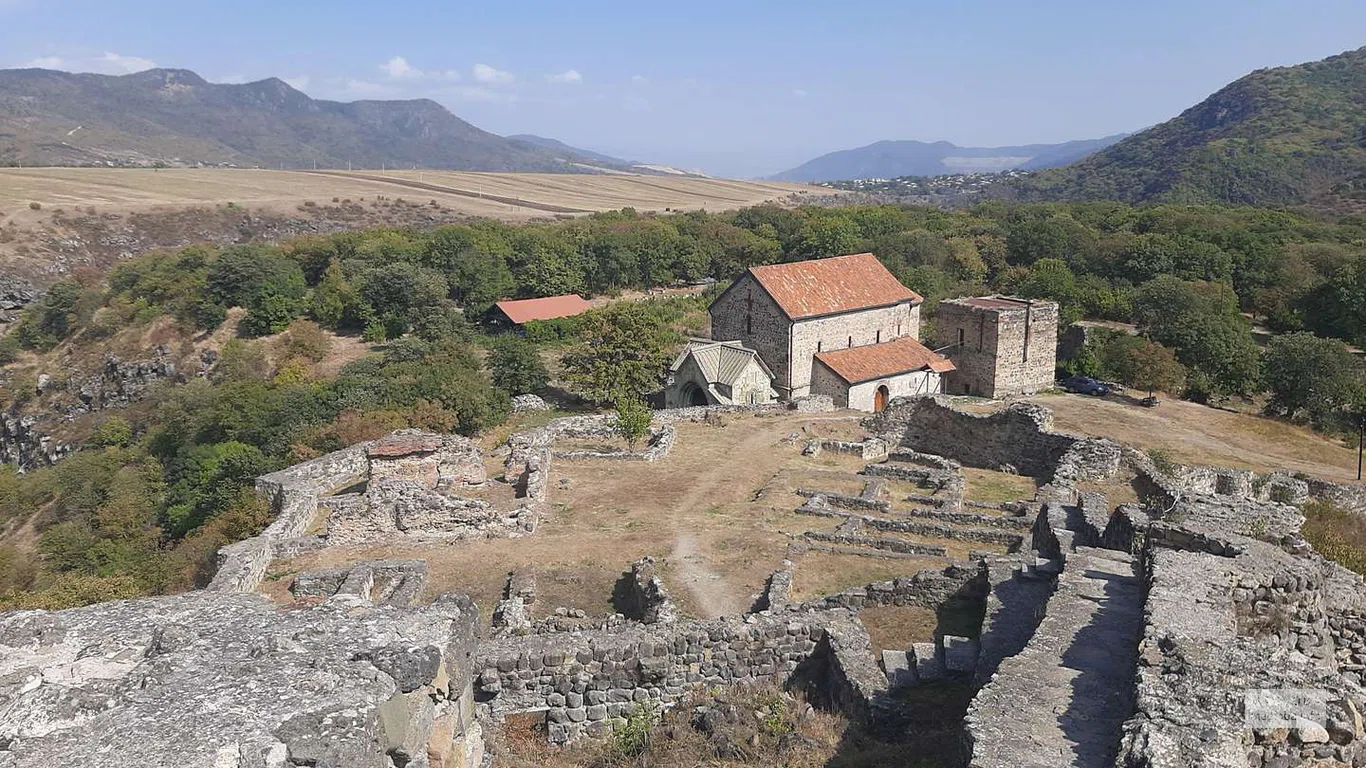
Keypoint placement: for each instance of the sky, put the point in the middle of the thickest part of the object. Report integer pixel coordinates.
(739, 88)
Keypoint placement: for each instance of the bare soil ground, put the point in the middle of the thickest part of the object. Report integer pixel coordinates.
(1198, 434)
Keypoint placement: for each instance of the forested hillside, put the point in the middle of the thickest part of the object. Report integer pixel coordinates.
(1285, 136)
(166, 480)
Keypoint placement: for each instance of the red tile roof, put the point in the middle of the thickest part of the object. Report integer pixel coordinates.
(549, 308)
(831, 286)
(876, 361)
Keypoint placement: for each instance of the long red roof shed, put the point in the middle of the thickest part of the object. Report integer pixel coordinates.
(548, 308)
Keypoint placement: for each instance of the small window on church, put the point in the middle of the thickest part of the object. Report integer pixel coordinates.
(749, 325)
(960, 337)
(851, 341)
(818, 346)
(879, 336)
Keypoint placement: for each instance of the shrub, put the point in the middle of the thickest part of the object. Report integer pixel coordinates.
(115, 432)
(633, 420)
(516, 367)
(35, 206)
(1336, 534)
(304, 339)
(1163, 461)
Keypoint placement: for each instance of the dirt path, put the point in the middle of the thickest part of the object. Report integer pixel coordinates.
(709, 590)
(711, 593)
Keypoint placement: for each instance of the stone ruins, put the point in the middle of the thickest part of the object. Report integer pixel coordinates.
(1195, 627)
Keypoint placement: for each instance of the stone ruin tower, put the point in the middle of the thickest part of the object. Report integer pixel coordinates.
(1001, 345)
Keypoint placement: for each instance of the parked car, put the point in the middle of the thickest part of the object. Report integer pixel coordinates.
(1085, 385)
(1149, 402)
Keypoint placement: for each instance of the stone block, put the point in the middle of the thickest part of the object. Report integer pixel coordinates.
(929, 664)
(899, 668)
(960, 655)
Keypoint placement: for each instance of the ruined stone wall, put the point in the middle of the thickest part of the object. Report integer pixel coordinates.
(293, 494)
(1348, 496)
(747, 314)
(1020, 436)
(589, 682)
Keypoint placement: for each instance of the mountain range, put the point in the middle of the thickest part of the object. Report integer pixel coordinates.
(893, 159)
(1284, 136)
(175, 117)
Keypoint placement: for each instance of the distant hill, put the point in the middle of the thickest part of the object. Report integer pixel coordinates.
(175, 117)
(561, 149)
(1284, 136)
(557, 147)
(893, 159)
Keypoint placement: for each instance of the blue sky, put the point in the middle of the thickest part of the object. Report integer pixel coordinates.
(738, 88)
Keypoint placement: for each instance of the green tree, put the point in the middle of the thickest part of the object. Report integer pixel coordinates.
(516, 367)
(633, 420)
(825, 235)
(1202, 324)
(622, 352)
(114, 432)
(1311, 377)
(334, 300)
(1143, 364)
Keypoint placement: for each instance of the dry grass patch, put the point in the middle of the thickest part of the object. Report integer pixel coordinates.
(1198, 434)
(991, 487)
(820, 574)
(897, 627)
(1336, 534)
(756, 726)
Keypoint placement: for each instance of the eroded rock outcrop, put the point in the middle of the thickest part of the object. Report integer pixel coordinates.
(217, 680)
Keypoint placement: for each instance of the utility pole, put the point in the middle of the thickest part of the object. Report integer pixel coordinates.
(1361, 442)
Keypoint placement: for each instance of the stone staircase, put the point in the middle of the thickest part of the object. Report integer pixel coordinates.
(1062, 700)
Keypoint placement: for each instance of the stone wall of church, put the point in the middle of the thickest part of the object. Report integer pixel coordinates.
(852, 329)
(746, 313)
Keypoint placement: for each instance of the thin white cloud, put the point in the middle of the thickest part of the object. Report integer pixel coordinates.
(399, 68)
(45, 62)
(362, 87)
(299, 82)
(569, 76)
(232, 79)
(118, 64)
(486, 74)
(799, 93)
(639, 80)
(107, 63)
(479, 93)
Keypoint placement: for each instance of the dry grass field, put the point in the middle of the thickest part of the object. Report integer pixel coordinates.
(512, 196)
(1196, 434)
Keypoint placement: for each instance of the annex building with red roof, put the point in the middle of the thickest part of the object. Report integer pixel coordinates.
(842, 326)
(523, 311)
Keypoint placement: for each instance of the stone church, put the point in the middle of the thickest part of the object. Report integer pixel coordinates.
(843, 327)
